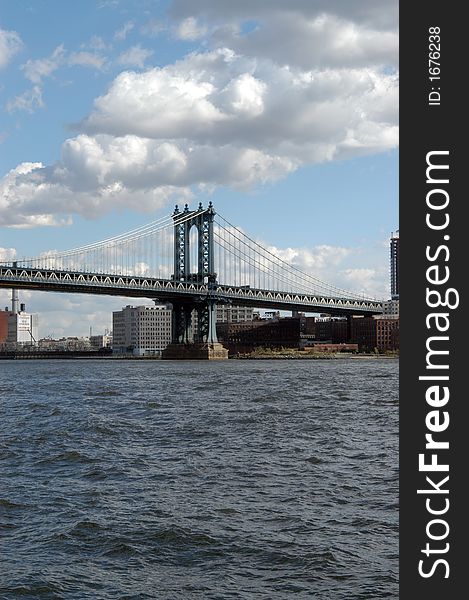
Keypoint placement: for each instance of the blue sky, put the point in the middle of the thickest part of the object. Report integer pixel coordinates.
(283, 114)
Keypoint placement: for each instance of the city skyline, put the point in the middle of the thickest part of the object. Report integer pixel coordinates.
(297, 149)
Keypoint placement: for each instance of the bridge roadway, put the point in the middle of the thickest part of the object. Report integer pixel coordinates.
(166, 290)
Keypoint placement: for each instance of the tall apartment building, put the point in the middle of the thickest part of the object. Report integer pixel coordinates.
(141, 330)
(394, 264)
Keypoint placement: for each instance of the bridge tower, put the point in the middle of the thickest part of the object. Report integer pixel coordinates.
(183, 223)
(188, 340)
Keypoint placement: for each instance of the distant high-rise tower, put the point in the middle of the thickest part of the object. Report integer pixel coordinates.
(394, 260)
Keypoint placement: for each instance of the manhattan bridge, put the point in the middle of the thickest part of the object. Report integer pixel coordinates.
(193, 259)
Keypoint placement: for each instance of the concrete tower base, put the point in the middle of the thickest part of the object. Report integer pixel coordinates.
(196, 351)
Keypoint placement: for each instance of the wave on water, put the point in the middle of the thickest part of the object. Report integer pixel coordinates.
(167, 480)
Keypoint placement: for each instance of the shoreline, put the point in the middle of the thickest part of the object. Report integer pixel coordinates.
(316, 357)
(273, 356)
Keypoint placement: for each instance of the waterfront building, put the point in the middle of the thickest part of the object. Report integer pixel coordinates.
(23, 328)
(387, 334)
(48, 344)
(260, 333)
(100, 341)
(141, 330)
(227, 313)
(17, 326)
(272, 315)
(366, 334)
(66, 344)
(333, 330)
(4, 325)
(370, 334)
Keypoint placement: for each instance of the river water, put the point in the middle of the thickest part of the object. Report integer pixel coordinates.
(173, 480)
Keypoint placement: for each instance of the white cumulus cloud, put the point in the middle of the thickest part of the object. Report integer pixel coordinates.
(220, 97)
(372, 281)
(237, 115)
(326, 33)
(7, 254)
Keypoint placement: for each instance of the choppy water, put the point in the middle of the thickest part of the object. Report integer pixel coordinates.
(170, 480)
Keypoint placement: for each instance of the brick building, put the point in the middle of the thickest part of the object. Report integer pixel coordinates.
(262, 333)
(335, 331)
(4, 326)
(370, 333)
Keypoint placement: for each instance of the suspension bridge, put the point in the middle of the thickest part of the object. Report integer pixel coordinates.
(193, 259)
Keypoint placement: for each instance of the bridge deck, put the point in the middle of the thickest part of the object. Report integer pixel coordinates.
(167, 290)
